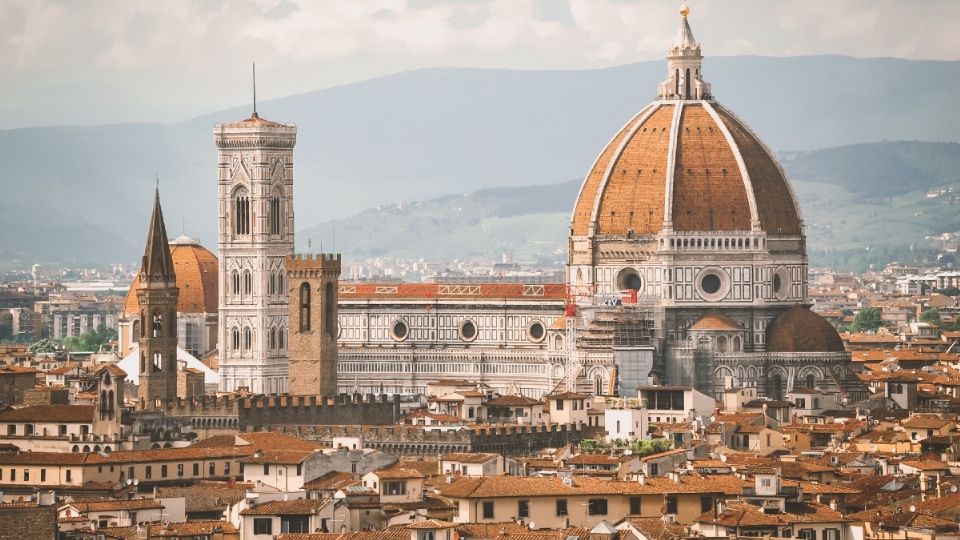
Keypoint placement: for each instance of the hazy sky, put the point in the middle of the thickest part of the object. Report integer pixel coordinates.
(95, 62)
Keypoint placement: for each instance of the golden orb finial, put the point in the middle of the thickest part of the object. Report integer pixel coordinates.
(684, 9)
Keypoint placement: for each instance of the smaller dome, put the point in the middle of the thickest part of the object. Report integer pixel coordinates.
(197, 278)
(801, 330)
(716, 322)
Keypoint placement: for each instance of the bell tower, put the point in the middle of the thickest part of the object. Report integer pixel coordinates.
(255, 237)
(157, 298)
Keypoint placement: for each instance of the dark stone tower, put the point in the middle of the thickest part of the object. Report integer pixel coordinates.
(157, 296)
(313, 282)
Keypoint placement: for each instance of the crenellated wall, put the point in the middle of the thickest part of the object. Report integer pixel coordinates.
(424, 440)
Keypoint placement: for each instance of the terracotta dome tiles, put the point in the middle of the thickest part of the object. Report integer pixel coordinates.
(776, 208)
(626, 190)
(708, 190)
(801, 330)
(583, 210)
(633, 197)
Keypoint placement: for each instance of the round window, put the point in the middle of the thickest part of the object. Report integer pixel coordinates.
(710, 283)
(400, 330)
(468, 331)
(536, 331)
(781, 283)
(629, 280)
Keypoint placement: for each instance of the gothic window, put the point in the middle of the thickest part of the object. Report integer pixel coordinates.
(247, 339)
(157, 362)
(676, 82)
(329, 310)
(241, 213)
(687, 84)
(598, 385)
(272, 287)
(279, 282)
(236, 283)
(811, 381)
(281, 337)
(247, 283)
(236, 339)
(157, 325)
(737, 347)
(275, 215)
(304, 307)
(273, 338)
(135, 331)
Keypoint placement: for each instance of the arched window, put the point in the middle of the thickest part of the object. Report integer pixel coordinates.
(811, 381)
(722, 344)
(598, 385)
(272, 286)
(236, 283)
(236, 339)
(329, 310)
(157, 325)
(676, 82)
(687, 84)
(279, 282)
(157, 362)
(304, 307)
(247, 283)
(737, 345)
(776, 390)
(273, 338)
(275, 215)
(281, 338)
(135, 330)
(247, 339)
(241, 212)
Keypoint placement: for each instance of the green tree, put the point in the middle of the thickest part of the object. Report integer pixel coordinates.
(45, 345)
(868, 320)
(931, 316)
(949, 291)
(645, 447)
(90, 340)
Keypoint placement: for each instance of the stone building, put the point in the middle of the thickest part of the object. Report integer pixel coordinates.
(314, 326)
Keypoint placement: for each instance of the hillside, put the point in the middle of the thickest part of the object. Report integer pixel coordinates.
(83, 193)
(848, 224)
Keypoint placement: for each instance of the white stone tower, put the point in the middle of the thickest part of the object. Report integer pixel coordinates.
(255, 224)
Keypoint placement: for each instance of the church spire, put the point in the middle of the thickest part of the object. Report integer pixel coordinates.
(157, 261)
(684, 60)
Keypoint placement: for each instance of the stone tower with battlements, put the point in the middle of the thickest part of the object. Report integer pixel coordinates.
(157, 298)
(313, 282)
(255, 237)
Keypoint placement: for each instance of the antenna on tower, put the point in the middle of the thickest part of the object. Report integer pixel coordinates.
(156, 176)
(254, 89)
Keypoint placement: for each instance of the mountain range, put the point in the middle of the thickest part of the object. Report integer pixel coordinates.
(82, 193)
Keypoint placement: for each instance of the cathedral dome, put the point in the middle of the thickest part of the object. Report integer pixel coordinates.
(685, 163)
(196, 270)
(801, 330)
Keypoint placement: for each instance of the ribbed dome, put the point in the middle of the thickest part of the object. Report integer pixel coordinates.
(689, 163)
(196, 270)
(801, 330)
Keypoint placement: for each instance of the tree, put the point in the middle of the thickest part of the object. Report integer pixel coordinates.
(949, 291)
(868, 320)
(931, 316)
(45, 345)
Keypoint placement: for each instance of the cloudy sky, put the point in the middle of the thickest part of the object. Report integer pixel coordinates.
(100, 61)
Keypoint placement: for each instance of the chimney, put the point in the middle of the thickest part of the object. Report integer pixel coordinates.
(642, 479)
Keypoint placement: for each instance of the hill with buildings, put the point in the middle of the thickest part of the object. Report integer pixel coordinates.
(862, 204)
(414, 135)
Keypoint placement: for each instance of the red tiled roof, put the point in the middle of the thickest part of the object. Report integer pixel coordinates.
(49, 413)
